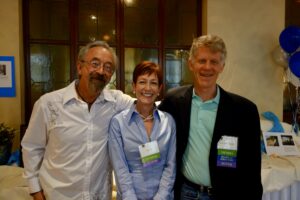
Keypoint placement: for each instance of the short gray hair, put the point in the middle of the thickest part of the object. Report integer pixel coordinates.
(213, 42)
(83, 50)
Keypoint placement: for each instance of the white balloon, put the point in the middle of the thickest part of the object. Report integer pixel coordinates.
(280, 57)
(292, 78)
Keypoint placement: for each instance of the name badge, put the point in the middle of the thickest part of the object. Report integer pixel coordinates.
(149, 153)
(227, 151)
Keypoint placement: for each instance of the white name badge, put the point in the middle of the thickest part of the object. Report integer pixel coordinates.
(149, 153)
(227, 152)
(228, 142)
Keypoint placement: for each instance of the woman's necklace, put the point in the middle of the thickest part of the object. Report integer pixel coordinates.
(148, 118)
(145, 118)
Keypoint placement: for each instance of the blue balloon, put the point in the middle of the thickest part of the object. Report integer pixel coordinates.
(294, 64)
(289, 39)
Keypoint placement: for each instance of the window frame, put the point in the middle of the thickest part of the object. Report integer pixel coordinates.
(120, 46)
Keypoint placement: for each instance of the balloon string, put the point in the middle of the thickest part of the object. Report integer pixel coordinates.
(294, 110)
(296, 127)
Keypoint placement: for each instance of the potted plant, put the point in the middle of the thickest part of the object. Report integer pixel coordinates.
(7, 135)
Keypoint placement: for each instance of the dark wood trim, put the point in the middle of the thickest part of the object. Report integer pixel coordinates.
(26, 49)
(162, 33)
(49, 41)
(199, 17)
(73, 44)
(120, 44)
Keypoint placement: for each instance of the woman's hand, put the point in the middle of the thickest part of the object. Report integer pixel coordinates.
(38, 196)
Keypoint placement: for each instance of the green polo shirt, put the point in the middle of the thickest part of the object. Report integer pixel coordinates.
(196, 156)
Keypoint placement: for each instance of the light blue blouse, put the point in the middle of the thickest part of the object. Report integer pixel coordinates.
(127, 132)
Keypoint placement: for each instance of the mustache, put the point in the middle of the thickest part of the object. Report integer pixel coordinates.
(99, 77)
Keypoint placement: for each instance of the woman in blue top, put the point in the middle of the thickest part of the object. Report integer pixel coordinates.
(142, 141)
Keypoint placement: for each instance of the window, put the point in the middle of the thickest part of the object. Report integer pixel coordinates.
(157, 30)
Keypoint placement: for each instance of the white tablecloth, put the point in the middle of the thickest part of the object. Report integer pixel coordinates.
(281, 178)
(291, 192)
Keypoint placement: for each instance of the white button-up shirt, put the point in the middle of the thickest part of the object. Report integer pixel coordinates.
(65, 145)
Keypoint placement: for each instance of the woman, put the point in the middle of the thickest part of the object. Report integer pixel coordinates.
(142, 141)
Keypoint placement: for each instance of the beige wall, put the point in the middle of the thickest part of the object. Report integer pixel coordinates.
(12, 109)
(251, 29)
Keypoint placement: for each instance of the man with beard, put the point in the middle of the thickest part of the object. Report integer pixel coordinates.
(65, 145)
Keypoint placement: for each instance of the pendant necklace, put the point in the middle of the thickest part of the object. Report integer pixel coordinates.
(149, 117)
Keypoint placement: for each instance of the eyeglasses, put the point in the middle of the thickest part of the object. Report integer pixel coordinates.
(96, 64)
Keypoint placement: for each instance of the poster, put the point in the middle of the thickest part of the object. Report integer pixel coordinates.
(282, 144)
(7, 76)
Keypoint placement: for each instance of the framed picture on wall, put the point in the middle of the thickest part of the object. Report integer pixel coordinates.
(7, 76)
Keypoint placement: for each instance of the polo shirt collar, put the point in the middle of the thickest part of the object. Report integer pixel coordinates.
(216, 99)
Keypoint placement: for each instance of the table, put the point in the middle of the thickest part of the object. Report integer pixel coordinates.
(291, 192)
(280, 178)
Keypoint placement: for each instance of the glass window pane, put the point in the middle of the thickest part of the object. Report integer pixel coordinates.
(49, 19)
(97, 20)
(49, 68)
(134, 56)
(141, 21)
(181, 22)
(177, 72)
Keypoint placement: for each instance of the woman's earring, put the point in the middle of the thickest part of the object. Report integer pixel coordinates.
(133, 91)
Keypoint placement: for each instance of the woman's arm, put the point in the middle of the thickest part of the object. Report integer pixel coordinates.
(119, 162)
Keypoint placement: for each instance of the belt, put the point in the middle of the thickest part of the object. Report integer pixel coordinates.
(201, 188)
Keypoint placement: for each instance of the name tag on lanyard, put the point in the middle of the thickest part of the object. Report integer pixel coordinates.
(149, 153)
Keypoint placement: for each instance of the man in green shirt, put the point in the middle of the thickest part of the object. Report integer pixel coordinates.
(218, 133)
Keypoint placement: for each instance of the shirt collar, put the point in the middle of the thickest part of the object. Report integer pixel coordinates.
(105, 95)
(133, 113)
(70, 93)
(216, 99)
